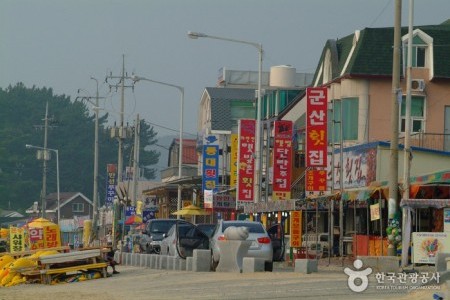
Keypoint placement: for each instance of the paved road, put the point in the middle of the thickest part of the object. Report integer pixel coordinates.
(142, 283)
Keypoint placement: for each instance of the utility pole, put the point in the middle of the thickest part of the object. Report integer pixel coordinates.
(122, 132)
(136, 172)
(44, 155)
(44, 174)
(407, 148)
(94, 232)
(393, 170)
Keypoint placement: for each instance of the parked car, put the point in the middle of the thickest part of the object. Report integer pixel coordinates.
(261, 247)
(206, 228)
(150, 241)
(182, 239)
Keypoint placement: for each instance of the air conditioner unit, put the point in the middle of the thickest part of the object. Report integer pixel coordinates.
(417, 85)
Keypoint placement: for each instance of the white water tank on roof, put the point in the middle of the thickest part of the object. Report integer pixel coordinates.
(282, 76)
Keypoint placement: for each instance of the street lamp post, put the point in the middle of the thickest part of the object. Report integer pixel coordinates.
(180, 150)
(257, 176)
(95, 188)
(57, 172)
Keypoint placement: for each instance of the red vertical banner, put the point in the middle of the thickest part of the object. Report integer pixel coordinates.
(296, 229)
(316, 180)
(316, 127)
(246, 160)
(282, 160)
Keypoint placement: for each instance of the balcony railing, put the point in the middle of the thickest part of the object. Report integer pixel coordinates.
(434, 141)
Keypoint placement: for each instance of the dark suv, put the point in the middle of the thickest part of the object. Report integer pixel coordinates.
(153, 234)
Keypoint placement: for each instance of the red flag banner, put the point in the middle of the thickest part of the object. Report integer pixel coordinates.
(316, 127)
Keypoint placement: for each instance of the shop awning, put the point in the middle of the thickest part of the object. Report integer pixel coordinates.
(423, 203)
(362, 194)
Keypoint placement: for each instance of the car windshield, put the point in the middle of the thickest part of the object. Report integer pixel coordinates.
(252, 227)
(161, 227)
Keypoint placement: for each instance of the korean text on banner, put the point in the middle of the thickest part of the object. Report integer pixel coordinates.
(282, 160)
(210, 167)
(316, 180)
(111, 170)
(246, 160)
(316, 127)
(296, 229)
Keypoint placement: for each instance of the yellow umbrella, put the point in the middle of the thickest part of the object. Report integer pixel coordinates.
(40, 223)
(191, 210)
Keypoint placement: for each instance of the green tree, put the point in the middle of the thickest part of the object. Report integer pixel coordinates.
(71, 132)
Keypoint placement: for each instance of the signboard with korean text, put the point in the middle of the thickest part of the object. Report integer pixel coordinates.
(210, 167)
(246, 160)
(360, 167)
(48, 236)
(222, 201)
(282, 160)
(208, 198)
(316, 127)
(426, 246)
(296, 229)
(16, 239)
(316, 180)
(233, 159)
(130, 211)
(111, 170)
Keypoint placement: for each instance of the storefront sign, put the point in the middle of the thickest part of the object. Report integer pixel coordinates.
(210, 167)
(426, 245)
(269, 206)
(296, 229)
(246, 160)
(233, 159)
(224, 201)
(282, 160)
(316, 180)
(16, 239)
(316, 127)
(111, 170)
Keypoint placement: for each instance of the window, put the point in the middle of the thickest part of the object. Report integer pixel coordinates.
(421, 49)
(417, 114)
(350, 111)
(77, 207)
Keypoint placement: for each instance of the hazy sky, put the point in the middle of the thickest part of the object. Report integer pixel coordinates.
(60, 44)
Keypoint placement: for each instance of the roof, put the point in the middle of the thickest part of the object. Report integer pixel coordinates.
(189, 150)
(373, 52)
(64, 198)
(221, 99)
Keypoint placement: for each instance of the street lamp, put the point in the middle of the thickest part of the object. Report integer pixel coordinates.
(180, 151)
(257, 175)
(57, 173)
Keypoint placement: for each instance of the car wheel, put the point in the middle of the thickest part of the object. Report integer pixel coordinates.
(268, 266)
(213, 263)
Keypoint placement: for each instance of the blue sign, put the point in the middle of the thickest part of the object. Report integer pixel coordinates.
(147, 215)
(130, 211)
(210, 167)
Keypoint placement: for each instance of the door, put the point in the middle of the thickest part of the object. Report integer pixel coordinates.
(276, 234)
(189, 238)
